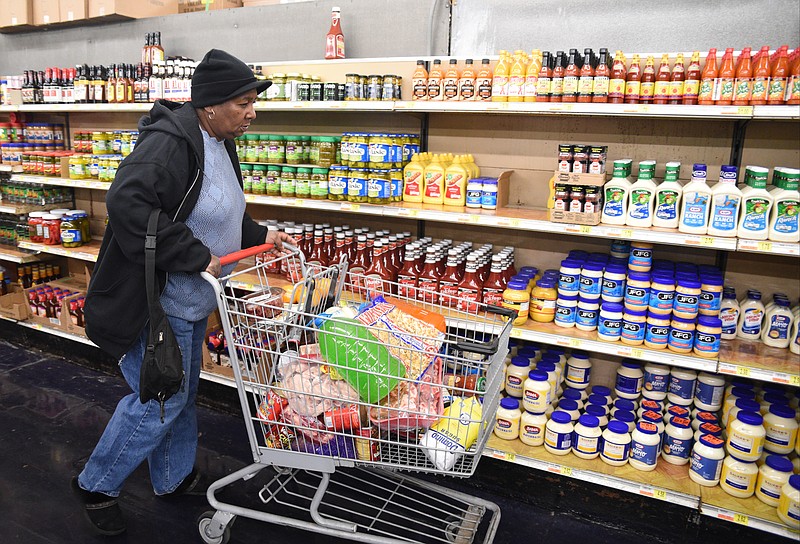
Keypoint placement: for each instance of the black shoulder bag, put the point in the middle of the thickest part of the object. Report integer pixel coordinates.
(162, 368)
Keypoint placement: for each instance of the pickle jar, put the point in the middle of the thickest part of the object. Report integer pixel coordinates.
(306, 142)
(374, 87)
(396, 176)
(316, 91)
(352, 87)
(294, 150)
(319, 183)
(247, 178)
(99, 143)
(389, 84)
(83, 220)
(288, 181)
(113, 166)
(357, 185)
(71, 235)
(379, 186)
(77, 167)
(327, 151)
(337, 182)
(116, 142)
(259, 177)
(276, 153)
(359, 150)
(125, 147)
(313, 152)
(262, 148)
(241, 147)
(302, 184)
(380, 151)
(277, 91)
(273, 180)
(293, 81)
(251, 147)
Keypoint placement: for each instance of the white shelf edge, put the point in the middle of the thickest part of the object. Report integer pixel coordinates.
(56, 332)
(768, 247)
(59, 250)
(747, 520)
(777, 113)
(762, 374)
(61, 182)
(16, 258)
(216, 378)
(605, 480)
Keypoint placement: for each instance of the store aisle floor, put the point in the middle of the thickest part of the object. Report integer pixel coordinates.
(52, 412)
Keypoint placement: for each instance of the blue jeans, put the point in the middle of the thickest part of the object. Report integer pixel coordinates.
(136, 433)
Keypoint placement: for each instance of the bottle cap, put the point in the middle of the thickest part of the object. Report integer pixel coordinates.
(617, 427)
(560, 417)
(779, 463)
(509, 403)
(750, 418)
(588, 420)
(569, 405)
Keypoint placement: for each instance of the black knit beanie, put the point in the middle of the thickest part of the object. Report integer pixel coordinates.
(220, 77)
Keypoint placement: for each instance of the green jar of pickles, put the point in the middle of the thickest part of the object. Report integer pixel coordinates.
(302, 184)
(259, 185)
(276, 154)
(306, 141)
(357, 185)
(273, 180)
(379, 186)
(319, 183)
(294, 150)
(251, 147)
(327, 151)
(313, 150)
(263, 148)
(288, 181)
(71, 233)
(396, 177)
(337, 182)
(247, 178)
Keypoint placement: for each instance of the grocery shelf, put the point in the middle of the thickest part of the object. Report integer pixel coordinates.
(758, 361)
(87, 252)
(751, 512)
(57, 332)
(766, 246)
(19, 209)
(9, 253)
(776, 112)
(85, 108)
(308, 203)
(549, 333)
(62, 182)
(667, 482)
(6, 168)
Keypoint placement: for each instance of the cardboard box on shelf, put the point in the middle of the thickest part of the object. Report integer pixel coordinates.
(64, 320)
(259, 3)
(574, 194)
(16, 12)
(45, 12)
(73, 10)
(14, 305)
(191, 6)
(136, 9)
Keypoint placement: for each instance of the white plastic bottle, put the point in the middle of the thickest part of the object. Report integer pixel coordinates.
(615, 194)
(696, 203)
(668, 198)
(756, 205)
(729, 314)
(641, 197)
(794, 344)
(725, 201)
(778, 323)
(784, 221)
(751, 314)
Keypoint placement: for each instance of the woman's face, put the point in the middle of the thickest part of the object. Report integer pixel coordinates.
(231, 119)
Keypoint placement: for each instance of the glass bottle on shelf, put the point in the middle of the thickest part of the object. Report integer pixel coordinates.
(429, 278)
(377, 276)
(450, 280)
(407, 276)
(319, 254)
(471, 288)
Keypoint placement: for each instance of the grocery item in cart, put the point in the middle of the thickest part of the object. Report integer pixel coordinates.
(266, 303)
(367, 366)
(412, 404)
(450, 437)
(308, 390)
(341, 446)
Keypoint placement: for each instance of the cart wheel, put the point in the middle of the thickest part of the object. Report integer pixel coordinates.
(205, 523)
(453, 525)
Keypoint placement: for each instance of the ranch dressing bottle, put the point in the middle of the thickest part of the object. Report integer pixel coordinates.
(615, 194)
(668, 198)
(696, 198)
(640, 197)
(756, 205)
(725, 200)
(784, 223)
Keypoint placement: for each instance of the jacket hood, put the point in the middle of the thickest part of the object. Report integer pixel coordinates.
(176, 119)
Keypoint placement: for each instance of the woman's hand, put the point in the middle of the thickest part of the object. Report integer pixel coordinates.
(214, 267)
(278, 238)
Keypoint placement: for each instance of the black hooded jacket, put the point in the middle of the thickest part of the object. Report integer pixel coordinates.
(163, 171)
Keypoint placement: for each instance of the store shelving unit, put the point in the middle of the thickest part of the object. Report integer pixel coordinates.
(9, 253)
(736, 358)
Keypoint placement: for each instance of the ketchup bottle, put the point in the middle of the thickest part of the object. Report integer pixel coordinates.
(743, 84)
(429, 278)
(761, 74)
(727, 77)
(341, 249)
(495, 284)
(616, 86)
(600, 84)
(691, 86)
(407, 276)
(377, 276)
(676, 81)
(709, 80)
(334, 41)
(470, 290)
(318, 255)
(359, 266)
(633, 83)
(448, 284)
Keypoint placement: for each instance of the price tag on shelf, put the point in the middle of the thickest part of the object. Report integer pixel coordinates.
(299, 202)
(660, 494)
(250, 198)
(637, 353)
(794, 380)
(574, 342)
(644, 108)
(511, 456)
(405, 212)
(350, 206)
(585, 229)
(627, 233)
(471, 218)
(743, 371)
(505, 222)
(565, 471)
(744, 110)
(516, 333)
(741, 519)
(706, 241)
(764, 246)
(496, 106)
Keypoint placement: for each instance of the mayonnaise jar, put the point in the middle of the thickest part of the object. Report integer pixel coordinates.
(738, 477)
(558, 434)
(707, 457)
(789, 502)
(656, 381)
(507, 419)
(531, 428)
(645, 443)
(682, 383)
(615, 444)
(781, 429)
(586, 437)
(677, 441)
(746, 436)
(709, 391)
(772, 476)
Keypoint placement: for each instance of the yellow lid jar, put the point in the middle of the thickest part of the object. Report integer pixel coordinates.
(543, 300)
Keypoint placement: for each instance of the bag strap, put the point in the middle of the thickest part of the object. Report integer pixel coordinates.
(150, 266)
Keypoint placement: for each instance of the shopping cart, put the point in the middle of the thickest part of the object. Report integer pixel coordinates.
(339, 406)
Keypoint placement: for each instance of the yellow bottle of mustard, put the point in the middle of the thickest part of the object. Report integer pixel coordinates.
(433, 192)
(413, 179)
(455, 183)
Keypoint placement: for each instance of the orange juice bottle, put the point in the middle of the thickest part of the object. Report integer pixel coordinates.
(516, 78)
(779, 77)
(466, 82)
(433, 188)
(483, 82)
(419, 82)
(709, 80)
(727, 77)
(500, 78)
(532, 76)
(435, 81)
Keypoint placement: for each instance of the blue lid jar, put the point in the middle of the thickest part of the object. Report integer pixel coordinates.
(618, 427)
(509, 403)
(560, 417)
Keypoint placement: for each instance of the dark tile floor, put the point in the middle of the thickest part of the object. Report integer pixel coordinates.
(52, 412)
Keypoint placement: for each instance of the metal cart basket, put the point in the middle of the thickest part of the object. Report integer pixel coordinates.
(347, 380)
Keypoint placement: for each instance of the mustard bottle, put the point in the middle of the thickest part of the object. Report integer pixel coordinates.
(455, 183)
(413, 179)
(433, 189)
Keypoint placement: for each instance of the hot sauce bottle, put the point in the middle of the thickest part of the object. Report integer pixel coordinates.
(435, 81)
(571, 74)
(616, 86)
(661, 94)
(429, 278)
(419, 82)
(779, 77)
(676, 81)
(557, 84)
(633, 83)
(648, 85)
(450, 81)
(743, 84)
(544, 83)
(709, 80)
(793, 87)
(471, 288)
(586, 81)
(761, 73)
(600, 85)
(448, 284)
(727, 77)
(532, 76)
(691, 86)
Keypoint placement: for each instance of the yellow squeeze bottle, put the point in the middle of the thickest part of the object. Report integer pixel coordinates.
(532, 77)
(475, 171)
(455, 183)
(500, 78)
(455, 433)
(433, 192)
(413, 180)
(516, 79)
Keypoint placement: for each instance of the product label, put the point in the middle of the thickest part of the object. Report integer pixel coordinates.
(70, 236)
(489, 199)
(535, 401)
(474, 197)
(778, 326)
(677, 447)
(601, 86)
(680, 387)
(578, 376)
(587, 318)
(558, 441)
(752, 321)
(614, 201)
(627, 384)
(657, 382)
(569, 282)
(644, 453)
(379, 188)
(706, 343)
(710, 300)
(570, 85)
(779, 437)
(709, 394)
(686, 303)
(613, 451)
(724, 212)
(565, 314)
(756, 211)
(738, 480)
(730, 318)
(641, 257)
(707, 469)
(357, 186)
(640, 204)
(532, 433)
(661, 300)
(634, 332)
(590, 286)
(771, 489)
(613, 289)
(667, 204)
(433, 184)
(738, 442)
(609, 327)
(412, 182)
(637, 296)
(695, 206)
(454, 186)
(585, 444)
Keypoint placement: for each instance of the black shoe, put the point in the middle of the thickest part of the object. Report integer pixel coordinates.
(101, 510)
(194, 485)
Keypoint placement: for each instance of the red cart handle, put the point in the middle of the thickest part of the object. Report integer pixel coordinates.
(239, 255)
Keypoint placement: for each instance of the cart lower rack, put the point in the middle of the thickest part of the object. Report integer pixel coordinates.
(345, 380)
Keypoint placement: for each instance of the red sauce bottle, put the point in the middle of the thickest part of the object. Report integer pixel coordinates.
(793, 87)
(676, 81)
(648, 84)
(407, 277)
(571, 75)
(709, 80)
(633, 82)
(661, 95)
(691, 86)
(727, 77)
(448, 284)
(743, 84)
(495, 284)
(319, 254)
(358, 266)
(761, 74)
(557, 85)
(334, 41)
(377, 276)
(470, 289)
(616, 86)
(340, 250)
(600, 86)
(779, 77)
(586, 82)
(429, 278)
(544, 83)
